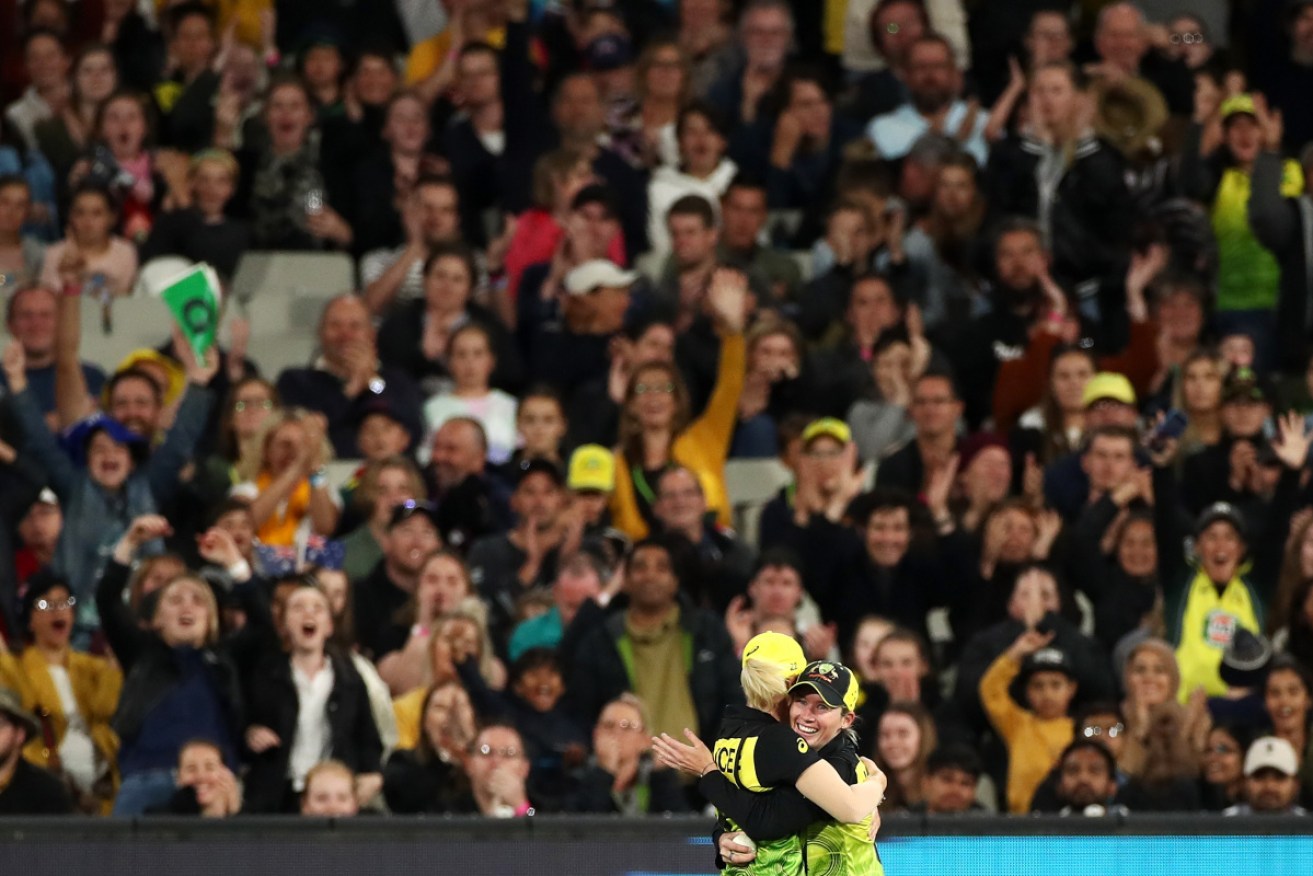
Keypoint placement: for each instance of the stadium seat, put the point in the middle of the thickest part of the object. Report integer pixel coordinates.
(752, 483)
(316, 276)
(152, 276)
(133, 323)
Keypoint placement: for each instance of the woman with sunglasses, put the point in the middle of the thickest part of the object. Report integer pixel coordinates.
(72, 694)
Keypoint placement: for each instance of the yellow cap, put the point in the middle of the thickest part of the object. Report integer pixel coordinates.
(1110, 385)
(148, 359)
(827, 427)
(776, 648)
(592, 467)
(1237, 104)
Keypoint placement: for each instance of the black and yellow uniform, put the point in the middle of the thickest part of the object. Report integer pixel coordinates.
(761, 758)
(832, 848)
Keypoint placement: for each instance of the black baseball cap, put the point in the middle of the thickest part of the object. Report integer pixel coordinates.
(538, 465)
(833, 681)
(411, 508)
(1047, 660)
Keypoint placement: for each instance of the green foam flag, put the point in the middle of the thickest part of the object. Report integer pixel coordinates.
(193, 296)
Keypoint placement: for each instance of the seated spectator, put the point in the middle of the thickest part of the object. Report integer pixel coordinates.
(1086, 211)
(181, 682)
(1087, 780)
(507, 566)
(952, 773)
(935, 410)
(203, 231)
(1288, 696)
(1271, 780)
(1034, 601)
(27, 789)
(1222, 781)
(472, 502)
(876, 37)
(662, 84)
(558, 177)
(806, 145)
(330, 791)
(31, 314)
(91, 258)
(46, 63)
(743, 215)
(1121, 41)
(776, 592)
(716, 563)
(904, 739)
(471, 361)
(443, 590)
(1121, 579)
(186, 95)
(657, 426)
(475, 139)
(497, 770)
(1035, 736)
(430, 218)
(304, 704)
(427, 776)
(286, 485)
(651, 626)
(592, 229)
(1217, 168)
(206, 786)
(1219, 585)
(1056, 426)
(704, 170)
(412, 535)
(74, 693)
(773, 385)
(540, 427)
(622, 777)
(123, 162)
(1225, 471)
(349, 377)
(282, 192)
(382, 181)
(384, 485)
(934, 86)
(578, 580)
(20, 253)
(766, 31)
(1109, 402)
(119, 482)
(416, 336)
(250, 404)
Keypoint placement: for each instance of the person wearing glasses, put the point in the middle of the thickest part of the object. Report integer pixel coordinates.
(72, 695)
(497, 770)
(622, 777)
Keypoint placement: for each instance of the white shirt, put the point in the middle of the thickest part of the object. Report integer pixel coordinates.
(314, 738)
(77, 753)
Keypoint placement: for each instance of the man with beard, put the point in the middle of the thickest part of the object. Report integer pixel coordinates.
(412, 535)
(934, 86)
(471, 503)
(1271, 780)
(1087, 779)
(507, 566)
(1022, 298)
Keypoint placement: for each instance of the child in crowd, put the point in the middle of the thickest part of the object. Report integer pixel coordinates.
(1034, 736)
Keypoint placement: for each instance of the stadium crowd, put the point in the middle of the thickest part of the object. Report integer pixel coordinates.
(1016, 292)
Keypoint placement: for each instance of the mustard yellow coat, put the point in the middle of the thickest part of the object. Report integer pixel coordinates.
(96, 684)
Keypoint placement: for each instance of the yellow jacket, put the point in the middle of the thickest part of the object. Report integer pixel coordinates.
(1208, 622)
(1033, 745)
(409, 709)
(96, 684)
(701, 448)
